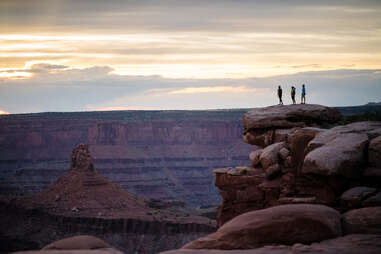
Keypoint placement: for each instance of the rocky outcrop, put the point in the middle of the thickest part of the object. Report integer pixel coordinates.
(80, 242)
(375, 152)
(363, 221)
(347, 143)
(263, 125)
(301, 162)
(82, 191)
(82, 201)
(354, 197)
(287, 224)
(96, 251)
(349, 244)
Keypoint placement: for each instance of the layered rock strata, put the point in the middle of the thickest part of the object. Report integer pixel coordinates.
(82, 201)
(166, 155)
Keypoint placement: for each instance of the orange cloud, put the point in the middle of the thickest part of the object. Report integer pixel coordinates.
(2, 112)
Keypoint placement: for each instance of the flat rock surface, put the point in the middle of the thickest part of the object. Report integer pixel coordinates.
(97, 251)
(298, 115)
(349, 244)
(284, 224)
(80, 242)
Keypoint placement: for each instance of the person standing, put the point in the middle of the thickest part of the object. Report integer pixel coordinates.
(293, 92)
(280, 95)
(303, 99)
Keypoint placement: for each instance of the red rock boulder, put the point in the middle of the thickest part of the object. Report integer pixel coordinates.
(285, 224)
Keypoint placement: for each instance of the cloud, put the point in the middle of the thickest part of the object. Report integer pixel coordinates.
(44, 67)
(97, 88)
(213, 89)
(46, 72)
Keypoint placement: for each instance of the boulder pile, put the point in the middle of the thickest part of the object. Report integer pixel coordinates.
(296, 159)
(312, 186)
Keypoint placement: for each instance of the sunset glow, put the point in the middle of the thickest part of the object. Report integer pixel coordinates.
(222, 41)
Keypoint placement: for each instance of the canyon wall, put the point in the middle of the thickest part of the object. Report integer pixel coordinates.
(31, 229)
(167, 155)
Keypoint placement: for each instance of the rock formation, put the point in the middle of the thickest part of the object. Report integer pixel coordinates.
(349, 244)
(305, 184)
(166, 155)
(84, 192)
(84, 244)
(285, 224)
(265, 126)
(82, 201)
(301, 162)
(81, 242)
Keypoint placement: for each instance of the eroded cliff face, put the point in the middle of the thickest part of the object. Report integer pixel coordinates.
(170, 157)
(299, 161)
(82, 201)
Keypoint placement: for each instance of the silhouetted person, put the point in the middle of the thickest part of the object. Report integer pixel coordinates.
(293, 92)
(280, 95)
(303, 99)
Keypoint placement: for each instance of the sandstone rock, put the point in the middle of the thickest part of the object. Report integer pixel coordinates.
(327, 136)
(283, 153)
(221, 170)
(375, 152)
(81, 159)
(273, 171)
(254, 157)
(288, 162)
(354, 197)
(363, 221)
(259, 137)
(281, 135)
(285, 117)
(285, 224)
(296, 200)
(269, 155)
(287, 184)
(349, 244)
(81, 242)
(96, 251)
(298, 142)
(372, 172)
(319, 187)
(373, 200)
(336, 154)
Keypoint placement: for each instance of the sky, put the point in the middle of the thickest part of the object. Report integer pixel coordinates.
(84, 55)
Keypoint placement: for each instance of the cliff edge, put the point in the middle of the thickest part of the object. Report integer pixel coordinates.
(298, 160)
(312, 186)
